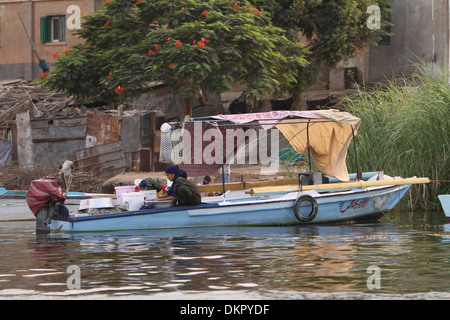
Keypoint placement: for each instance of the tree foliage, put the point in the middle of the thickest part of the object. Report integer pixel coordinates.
(334, 30)
(186, 44)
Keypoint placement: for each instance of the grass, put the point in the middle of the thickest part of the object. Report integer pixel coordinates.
(405, 131)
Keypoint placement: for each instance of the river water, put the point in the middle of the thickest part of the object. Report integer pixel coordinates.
(404, 256)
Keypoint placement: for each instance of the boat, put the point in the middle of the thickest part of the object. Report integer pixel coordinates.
(13, 206)
(307, 199)
(445, 202)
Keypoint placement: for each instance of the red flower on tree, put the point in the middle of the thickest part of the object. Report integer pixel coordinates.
(119, 90)
(157, 47)
(150, 52)
(178, 43)
(110, 74)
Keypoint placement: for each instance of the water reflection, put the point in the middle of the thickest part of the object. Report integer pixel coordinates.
(413, 258)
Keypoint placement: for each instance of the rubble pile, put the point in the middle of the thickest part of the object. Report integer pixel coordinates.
(20, 95)
(14, 178)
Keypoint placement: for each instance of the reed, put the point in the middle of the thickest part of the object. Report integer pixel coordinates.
(405, 131)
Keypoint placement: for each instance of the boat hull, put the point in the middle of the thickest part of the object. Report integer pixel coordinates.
(366, 204)
(445, 202)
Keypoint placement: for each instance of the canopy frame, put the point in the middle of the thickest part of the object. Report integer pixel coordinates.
(322, 116)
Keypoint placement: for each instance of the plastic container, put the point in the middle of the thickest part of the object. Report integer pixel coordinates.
(96, 203)
(123, 190)
(134, 200)
(149, 194)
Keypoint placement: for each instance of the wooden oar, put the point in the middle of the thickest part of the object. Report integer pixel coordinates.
(218, 187)
(338, 186)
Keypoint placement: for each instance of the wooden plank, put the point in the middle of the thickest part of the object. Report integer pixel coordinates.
(268, 183)
(337, 186)
(105, 156)
(98, 149)
(39, 124)
(218, 187)
(102, 158)
(59, 139)
(70, 122)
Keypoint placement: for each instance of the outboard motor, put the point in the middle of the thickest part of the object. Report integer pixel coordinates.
(45, 199)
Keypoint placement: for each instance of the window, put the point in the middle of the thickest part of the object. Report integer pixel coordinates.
(53, 29)
(385, 39)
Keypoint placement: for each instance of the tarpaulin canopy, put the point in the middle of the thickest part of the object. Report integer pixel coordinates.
(327, 133)
(41, 192)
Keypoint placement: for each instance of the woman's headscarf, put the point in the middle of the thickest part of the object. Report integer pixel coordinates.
(178, 173)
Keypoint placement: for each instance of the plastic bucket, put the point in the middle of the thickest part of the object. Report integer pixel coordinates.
(149, 194)
(122, 190)
(134, 200)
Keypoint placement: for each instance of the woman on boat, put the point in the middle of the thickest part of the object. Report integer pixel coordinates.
(183, 190)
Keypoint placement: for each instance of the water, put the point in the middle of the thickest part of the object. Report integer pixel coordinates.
(409, 255)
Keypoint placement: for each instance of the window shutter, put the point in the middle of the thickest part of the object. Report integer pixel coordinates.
(45, 29)
(62, 25)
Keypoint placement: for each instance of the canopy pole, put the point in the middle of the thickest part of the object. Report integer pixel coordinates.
(223, 180)
(223, 164)
(358, 174)
(309, 151)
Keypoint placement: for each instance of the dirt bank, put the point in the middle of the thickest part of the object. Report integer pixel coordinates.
(238, 173)
(94, 181)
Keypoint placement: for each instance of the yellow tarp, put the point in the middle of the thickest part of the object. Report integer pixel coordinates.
(328, 141)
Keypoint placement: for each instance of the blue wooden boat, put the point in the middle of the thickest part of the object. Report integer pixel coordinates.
(303, 207)
(445, 202)
(309, 201)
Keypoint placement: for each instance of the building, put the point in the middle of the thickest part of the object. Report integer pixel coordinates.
(49, 25)
(421, 32)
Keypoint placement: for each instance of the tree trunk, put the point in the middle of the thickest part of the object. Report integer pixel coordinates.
(297, 105)
(187, 109)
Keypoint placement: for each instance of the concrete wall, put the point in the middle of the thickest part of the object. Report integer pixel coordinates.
(421, 32)
(55, 140)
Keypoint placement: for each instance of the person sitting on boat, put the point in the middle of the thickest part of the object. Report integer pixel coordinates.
(206, 180)
(183, 190)
(150, 184)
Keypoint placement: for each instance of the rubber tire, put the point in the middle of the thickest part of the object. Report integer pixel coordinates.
(314, 208)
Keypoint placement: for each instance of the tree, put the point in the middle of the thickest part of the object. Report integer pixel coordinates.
(189, 45)
(333, 29)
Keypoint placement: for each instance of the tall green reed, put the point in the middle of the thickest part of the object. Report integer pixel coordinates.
(405, 131)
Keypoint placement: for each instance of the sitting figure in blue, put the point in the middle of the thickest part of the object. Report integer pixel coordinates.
(183, 190)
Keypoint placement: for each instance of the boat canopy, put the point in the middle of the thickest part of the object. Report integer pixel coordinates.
(328, 134)
(323, 134)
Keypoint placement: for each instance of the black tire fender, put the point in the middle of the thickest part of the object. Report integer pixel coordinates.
(314, 208)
